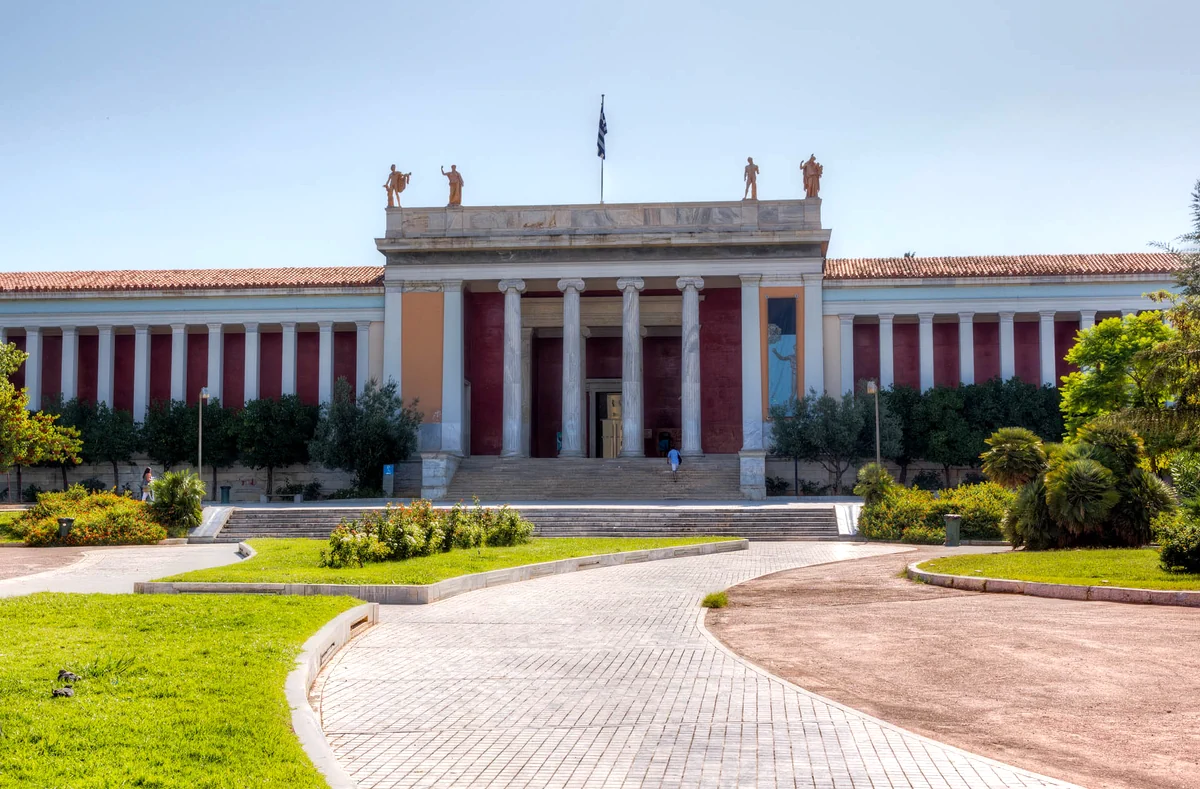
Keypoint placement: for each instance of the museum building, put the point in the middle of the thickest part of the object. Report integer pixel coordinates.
(573, 331)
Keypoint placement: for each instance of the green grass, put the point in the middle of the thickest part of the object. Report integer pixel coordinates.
(177, 691)
(7, 517)
(715, 600)
(1131, 567)
(295, 561)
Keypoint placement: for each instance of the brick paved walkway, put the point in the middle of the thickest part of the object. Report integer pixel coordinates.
(604, 678)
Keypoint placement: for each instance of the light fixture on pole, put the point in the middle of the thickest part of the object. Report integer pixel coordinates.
(200, 433)
(873, 388)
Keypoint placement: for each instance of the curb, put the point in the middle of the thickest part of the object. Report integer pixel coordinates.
(315, 653)
(1108, 594)
(396, 594)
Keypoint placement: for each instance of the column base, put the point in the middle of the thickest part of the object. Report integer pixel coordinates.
(573, 453)
(753, 473)
(437, 470)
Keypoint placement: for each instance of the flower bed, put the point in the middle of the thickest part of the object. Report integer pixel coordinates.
(100, 519)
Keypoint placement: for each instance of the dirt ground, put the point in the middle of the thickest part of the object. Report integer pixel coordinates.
(15, 562)
(1099, 694)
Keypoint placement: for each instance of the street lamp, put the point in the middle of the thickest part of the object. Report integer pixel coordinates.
(200, 432)
(873, 388)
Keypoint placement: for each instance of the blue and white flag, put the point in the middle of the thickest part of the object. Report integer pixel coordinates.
(603, 131)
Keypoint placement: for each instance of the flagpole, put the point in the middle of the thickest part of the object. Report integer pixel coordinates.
(602, 158)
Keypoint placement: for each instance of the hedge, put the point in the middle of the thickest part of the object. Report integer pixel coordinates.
(914, 515)
(100, 519)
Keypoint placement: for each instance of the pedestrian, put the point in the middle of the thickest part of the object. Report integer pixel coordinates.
(674, 458)
(147, 479)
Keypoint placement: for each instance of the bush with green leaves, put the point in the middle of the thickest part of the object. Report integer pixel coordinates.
(1178, 536)
(777, 486)
(874, 482)
(1014, 456)
(928, 480)
(176, 502)
(915, 515)
(1184, 466)
(100, 519)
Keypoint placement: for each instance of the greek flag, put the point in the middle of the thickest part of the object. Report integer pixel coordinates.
(603, 131)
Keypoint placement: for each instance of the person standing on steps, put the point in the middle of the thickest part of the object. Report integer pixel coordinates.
(674, 458)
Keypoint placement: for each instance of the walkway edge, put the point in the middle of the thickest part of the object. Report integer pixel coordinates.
(316, 652)
(1108, 594)
(877, 721)
(396, 594)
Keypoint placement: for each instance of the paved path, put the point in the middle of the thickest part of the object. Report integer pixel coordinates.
(114, 570)
(605, 678)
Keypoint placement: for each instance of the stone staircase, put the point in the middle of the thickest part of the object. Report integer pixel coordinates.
(755, 522)
(491, 478)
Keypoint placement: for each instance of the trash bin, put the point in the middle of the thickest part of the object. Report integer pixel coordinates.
(953, 522)
(64, 527)
(225, 493)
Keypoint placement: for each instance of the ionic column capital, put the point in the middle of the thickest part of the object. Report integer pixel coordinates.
(846, 319)
(625, 283)
(683, 283)
(452, 285)
(215, 328)
(362, 325)
(1047, 315)
(178, 328)
(750, 280)
(507, 285)
(572, 283)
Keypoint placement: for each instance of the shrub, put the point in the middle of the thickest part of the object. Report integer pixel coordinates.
(100, 519)
(928, 480)
(290, 489)
(31, 491)
(983, 508)
(715, 600)
(915, 515)
(924, 535)
(810, 488)
(312, 491)
(1014, 456)
(1178, 535)
(356, 493)
(901, 509)
(1185, 473)
(1080, 494)
(777, 486)
(93, 485)
(176, 503)
(873, 484)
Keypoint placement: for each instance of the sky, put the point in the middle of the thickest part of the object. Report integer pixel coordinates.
(252, 134)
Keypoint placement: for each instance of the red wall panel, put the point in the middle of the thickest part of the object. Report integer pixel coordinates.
(233, 370)
(18, 377)
(160, 368)
(308, 363)
(483, 342)
(987, 351)
(1064, 340)
(197, 365)
(89, 358)
(721, 371)
(945, 354)
(270, 365)
(344, 361)
(1028, 362)
(906, 350)
(51, 365)
(604, 357)
(662, 384)
(866, 352)
(122, 372)
(547, 396)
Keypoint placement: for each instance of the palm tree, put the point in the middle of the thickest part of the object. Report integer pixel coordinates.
(1014, 456)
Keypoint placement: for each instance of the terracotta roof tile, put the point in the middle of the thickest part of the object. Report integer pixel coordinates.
(999, 266)
(190, 279)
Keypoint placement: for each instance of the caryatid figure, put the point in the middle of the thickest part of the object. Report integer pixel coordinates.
(395, 184)
(751, 178)
(812, 176)
(456, 184)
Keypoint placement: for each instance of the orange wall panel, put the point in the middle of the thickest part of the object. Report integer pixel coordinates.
(421, 352)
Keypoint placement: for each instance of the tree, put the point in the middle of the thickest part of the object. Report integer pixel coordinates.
(904, 403)
(274, 433)
(950, 439)
(110, 436)
(221, 428)
(362, 435)
(1014, 457)
(169, 433)
(29, 437)
(1113, 373)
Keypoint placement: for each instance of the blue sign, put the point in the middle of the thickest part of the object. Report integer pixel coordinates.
(389, 469)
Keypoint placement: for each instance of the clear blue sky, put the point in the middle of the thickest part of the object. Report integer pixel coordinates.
(165, 134)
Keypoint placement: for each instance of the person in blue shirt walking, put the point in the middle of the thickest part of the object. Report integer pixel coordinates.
(674, 458)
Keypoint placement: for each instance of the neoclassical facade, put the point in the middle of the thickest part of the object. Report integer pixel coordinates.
(586, 331)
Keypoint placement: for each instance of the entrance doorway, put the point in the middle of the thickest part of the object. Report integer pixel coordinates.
(609, 438)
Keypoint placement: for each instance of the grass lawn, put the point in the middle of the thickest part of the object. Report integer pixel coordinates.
(7, 517)
(177, 690)
(1132, 567)
(295, 561)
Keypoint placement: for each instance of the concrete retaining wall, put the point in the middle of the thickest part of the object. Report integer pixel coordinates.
(1111, 594)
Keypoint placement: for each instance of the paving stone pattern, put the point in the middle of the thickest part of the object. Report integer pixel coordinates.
(604, 679)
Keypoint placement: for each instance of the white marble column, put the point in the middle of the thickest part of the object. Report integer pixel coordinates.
(70, 363)
(216, 361)
(966, 348)
(178, 361)
(104, 365)
(393, 297)
(250, 377)
(926, 349)
(1046, 347)
(33, 367)
(3, 335)
(846, 327)
(288, 359)
(511, 437)
(632, 405)
(453, 412)
(814, 333)
(325, 362)
(752, 397)
(362, 354)
(1008, 356)
(526, 391)
(572, 383)
(690, 391)
(1087, 319)
(887, 349)
(141, 372)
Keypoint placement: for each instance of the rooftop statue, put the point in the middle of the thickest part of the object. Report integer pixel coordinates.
(812, 176)
(395, 184)
(456, 184)
(751, 178)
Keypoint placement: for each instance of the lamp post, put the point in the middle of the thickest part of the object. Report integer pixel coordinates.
(873, 388)
(200, 432)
